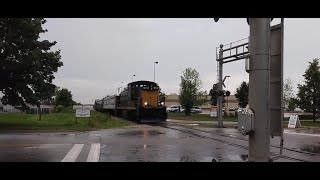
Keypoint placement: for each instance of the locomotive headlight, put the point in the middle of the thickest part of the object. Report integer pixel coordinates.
(162, 103)
(145, 103)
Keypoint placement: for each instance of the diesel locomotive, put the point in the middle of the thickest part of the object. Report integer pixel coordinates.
(138, 102)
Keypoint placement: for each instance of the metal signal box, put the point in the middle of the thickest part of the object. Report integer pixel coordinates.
(245, 120)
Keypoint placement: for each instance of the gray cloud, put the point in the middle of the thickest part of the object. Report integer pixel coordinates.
(98, 54)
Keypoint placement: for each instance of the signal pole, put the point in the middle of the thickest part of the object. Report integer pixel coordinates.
(220, 98)
(259, 89)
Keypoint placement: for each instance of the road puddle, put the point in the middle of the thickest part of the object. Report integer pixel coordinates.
(141, 133)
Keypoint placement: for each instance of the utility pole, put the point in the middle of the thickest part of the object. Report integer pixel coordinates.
(259, 89)
(132, 77)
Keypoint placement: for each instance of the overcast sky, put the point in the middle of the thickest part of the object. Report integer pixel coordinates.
(99, 54)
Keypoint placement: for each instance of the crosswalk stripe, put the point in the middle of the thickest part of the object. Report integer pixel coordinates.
(73, 153)
(94, 153)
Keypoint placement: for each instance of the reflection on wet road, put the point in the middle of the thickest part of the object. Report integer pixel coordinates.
(145, 143)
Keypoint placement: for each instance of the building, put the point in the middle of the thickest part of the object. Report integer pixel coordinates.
(45, 109)
(231, 101)
(8, 109)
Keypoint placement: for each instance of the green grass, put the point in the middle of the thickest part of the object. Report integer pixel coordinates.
(304, 124)
(64, 121)
(198, 117)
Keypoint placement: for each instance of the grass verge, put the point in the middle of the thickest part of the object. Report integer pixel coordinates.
(64, 121)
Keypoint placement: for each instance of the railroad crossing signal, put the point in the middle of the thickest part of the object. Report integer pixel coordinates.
(217, 19)
(265, 94)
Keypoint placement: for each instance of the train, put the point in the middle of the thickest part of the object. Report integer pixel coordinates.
(139, 101)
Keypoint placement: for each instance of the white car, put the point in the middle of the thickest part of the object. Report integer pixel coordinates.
(193, 110)
(174, 108)
(298, 110)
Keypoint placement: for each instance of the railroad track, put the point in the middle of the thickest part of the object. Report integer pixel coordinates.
(190, 131)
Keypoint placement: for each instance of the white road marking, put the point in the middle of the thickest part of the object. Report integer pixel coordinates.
(305, 134)
(73, 153)
(94, 153)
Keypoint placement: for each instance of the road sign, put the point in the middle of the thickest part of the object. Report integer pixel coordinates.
(82, 113)
(293, 121)
(87, 107)
(77, 107)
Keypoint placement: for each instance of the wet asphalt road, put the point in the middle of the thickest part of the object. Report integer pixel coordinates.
(168, 142)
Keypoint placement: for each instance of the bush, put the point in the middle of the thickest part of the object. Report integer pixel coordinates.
(58, 108)
(305, 116)
(67, 110)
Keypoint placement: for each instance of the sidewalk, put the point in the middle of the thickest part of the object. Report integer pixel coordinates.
(308, 130)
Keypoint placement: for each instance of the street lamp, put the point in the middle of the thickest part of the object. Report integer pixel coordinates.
(121, 86)
(154, 71)
(132, 77)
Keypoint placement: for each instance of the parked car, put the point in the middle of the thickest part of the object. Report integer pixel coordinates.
(174, 108)
(232, 108)
(194, 110)
(298, 110)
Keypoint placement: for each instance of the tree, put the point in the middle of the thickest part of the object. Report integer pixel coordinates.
(292, 104)
(190, 94)
(242, 94)
(63, 97)
(287, 92)
(309, 93)
(162, 97)
(26, 63)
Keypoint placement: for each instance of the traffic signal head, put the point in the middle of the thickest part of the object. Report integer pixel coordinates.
(228, 93)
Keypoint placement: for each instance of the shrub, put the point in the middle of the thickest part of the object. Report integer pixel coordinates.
(58, 108)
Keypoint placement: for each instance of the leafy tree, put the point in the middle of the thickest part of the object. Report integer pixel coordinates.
(242, 94)
(26, 63)
(287, 92)
(63, 97)
(162, 97)
(309, 92)
(292, 104)
(190, 94)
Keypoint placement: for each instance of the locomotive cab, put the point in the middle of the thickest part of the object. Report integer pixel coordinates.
(145, 97)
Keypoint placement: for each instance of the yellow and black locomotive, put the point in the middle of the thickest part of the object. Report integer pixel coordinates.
(139, 101)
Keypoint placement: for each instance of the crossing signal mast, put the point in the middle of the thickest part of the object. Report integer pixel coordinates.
(264, 63)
